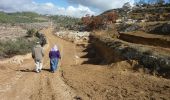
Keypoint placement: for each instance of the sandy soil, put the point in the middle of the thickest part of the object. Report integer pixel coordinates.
(77, 81)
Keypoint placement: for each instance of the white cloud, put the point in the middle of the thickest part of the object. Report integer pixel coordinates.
(82, 8)
(43, 8)
(101, 5)
(10, 5)
(79, 11)
(49, 4)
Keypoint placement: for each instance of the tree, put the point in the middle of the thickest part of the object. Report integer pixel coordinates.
(86, 20)
(142, 2)
(127, 6)
(160, 2)
(111, 17)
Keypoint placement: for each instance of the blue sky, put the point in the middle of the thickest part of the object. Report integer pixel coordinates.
(150, 0)
(62, 3)
(75, 8)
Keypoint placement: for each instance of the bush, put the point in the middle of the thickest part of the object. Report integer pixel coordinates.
(20, 46)
(31, 32)
(64, 21)
(37, 34)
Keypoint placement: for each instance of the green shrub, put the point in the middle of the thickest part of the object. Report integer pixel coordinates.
(31, 32)
(17, 47)
(21, 17)
(37, 34)
(64, 21)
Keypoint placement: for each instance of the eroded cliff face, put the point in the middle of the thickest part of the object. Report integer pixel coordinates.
(115, 50)
(103, 49)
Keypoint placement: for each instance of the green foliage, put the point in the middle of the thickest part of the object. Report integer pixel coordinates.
(65, 21)
(26, 14)
(20, 46)
(31, 32)
(37, 34)
(20, 17)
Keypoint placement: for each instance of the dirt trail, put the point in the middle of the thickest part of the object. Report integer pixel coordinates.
(22, 83)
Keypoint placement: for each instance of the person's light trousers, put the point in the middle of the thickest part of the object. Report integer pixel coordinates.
(38, 65)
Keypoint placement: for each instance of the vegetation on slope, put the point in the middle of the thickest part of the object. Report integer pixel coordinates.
(19, 46)
(20, 17)
(65, 21)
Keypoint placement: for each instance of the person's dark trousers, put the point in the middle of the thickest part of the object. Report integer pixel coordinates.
(53, 64)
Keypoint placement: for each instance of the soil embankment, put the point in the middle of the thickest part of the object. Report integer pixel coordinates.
(146, 39)
(94, 79)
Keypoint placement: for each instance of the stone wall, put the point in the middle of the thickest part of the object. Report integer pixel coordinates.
(73, 36)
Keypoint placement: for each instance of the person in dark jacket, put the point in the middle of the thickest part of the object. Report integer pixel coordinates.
(54, 56)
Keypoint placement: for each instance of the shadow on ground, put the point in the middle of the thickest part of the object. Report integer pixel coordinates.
(32, 70)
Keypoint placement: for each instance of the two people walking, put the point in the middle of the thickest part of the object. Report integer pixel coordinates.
(38, 54)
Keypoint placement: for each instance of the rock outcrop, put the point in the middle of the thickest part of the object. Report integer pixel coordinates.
(73, 35)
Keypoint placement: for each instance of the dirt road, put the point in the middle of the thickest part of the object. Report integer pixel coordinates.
(22, 83)
(77, 81)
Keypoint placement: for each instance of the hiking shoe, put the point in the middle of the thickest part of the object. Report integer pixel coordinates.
(52, 71)
(39, 70)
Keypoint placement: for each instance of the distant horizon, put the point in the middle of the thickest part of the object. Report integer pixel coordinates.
(35, 13)
(73, 8)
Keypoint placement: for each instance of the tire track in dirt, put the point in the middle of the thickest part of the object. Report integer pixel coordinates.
(51, 84)
(40, 86)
